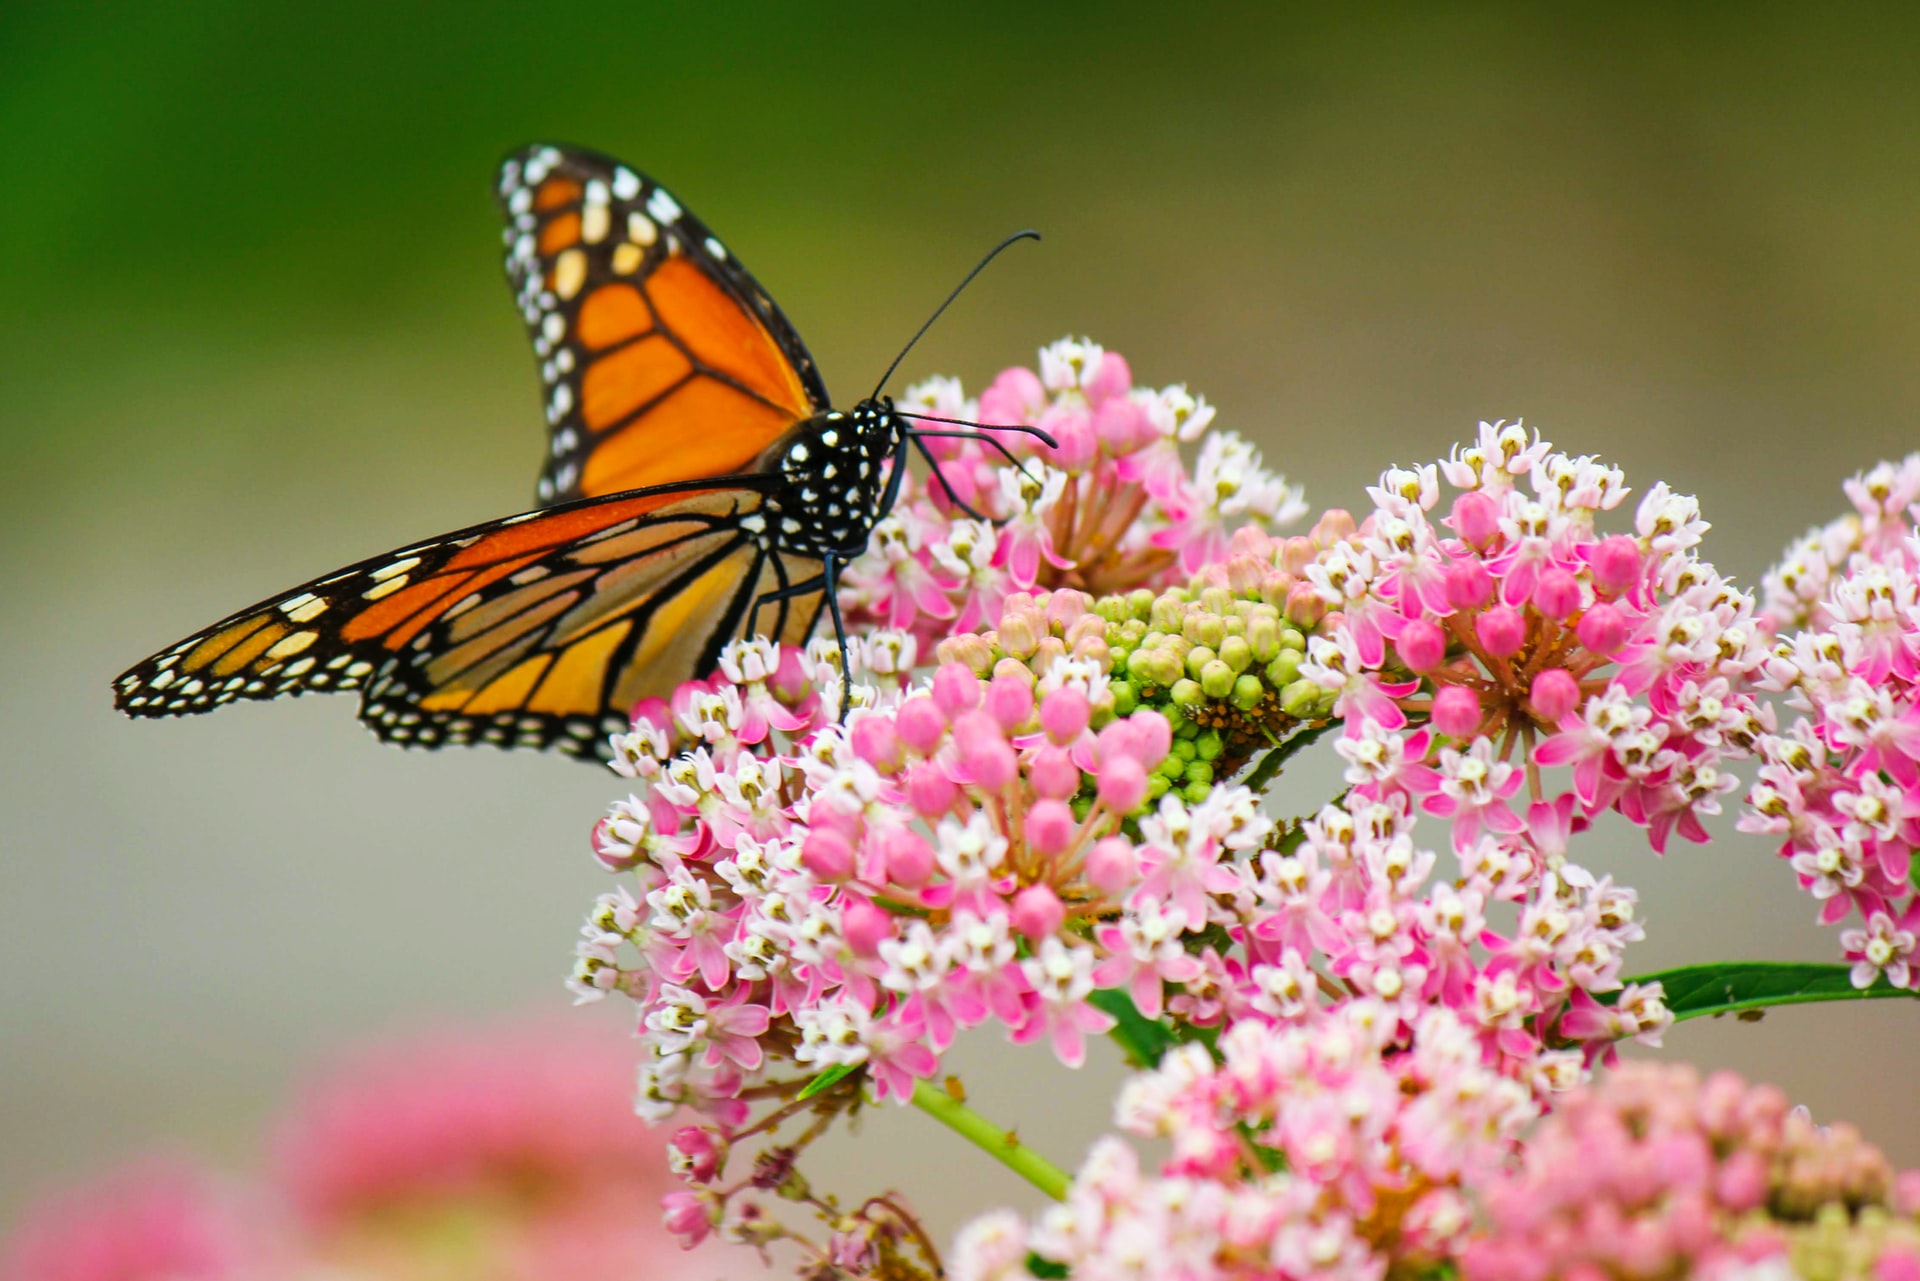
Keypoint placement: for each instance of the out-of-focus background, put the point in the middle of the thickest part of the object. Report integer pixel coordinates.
(252, 326)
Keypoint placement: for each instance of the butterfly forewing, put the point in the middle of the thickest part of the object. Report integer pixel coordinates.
(540, 630)
(663, 360)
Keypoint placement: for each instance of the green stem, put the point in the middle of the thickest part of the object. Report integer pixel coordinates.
(1002, 1145)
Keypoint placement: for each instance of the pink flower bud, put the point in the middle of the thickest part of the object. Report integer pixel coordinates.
(1110, 378)
(1334, 526)
(920, 724)
(1502, 631)
(1013, 398)
(864, 925)
(1476, 517)
(1741, 1183)
(690, 1216)
(1422, 645)
(1616, 564)
(909, 857)
(1066, 606)
(1456, 712)
(1112, 866)
(1123, 784)
(1122, 427)
(1010, 701)
(930, 791)
(1075, 444)
(827, 854)
(1468, 585)
(1304, 607)
(1602, 629)
(876, 743)
(1037, 912)
(1153, 737)
(1245, 574)
(1554, 694)
(1064, 714)
(1052, 772)
(697, 1152)
(1557, 594)
(993, 767)
(975, 732)
(955, 689)
(1050, 827)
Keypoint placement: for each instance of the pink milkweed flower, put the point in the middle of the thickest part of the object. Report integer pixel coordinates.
(1060, 980)
(1472, 788)
(158, 1219)
(1025, 539)
(1886, 945)
(1144, 953)
(897, 1055)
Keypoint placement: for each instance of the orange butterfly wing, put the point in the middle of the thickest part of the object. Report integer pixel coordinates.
(663, 359)
(541, 630)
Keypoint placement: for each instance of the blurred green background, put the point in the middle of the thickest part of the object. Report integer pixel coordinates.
(252, 327)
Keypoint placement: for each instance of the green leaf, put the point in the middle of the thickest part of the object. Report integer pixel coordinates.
(1729, 987)
(1040, 1267)
(1145, 1041)
(828, 1079)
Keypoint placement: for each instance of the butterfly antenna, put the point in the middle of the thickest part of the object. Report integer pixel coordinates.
(921, 332)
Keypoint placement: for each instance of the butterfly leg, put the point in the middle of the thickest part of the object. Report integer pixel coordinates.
(933, 465)
(830, 571)
(814, 584)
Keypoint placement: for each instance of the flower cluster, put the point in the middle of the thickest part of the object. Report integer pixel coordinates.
(1841, 785)
(156, 1219)
(1659, 1174)
(1109, 506)
(1316, 1150)
(495, 1153)
(1624, 656)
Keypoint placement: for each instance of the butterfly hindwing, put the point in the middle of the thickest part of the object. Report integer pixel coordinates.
(540, 630)
(662, 359)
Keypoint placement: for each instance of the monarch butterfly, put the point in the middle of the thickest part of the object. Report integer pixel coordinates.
(698, 481)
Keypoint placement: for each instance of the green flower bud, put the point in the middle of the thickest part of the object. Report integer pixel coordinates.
(1204, 629)
(1263, 638)
(1293, 638)
(1199, 772)
(1208, 746)
(1216, 678)
(1187, 693)
(1169, 608)
(1183, 750)
(1157, 785)
(1216, 600)
(1166, 666)
(1236, 653)
(1194, 793)
(1300, 699)
(1248, 692)
(1125, 700)
(1284, 669)
(1197, 659)
(1140, 604)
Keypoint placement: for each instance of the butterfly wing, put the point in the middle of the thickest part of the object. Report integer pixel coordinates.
(540, 630)
(663, 360)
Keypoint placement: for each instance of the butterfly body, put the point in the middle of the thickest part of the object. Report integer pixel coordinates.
(840, 473)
